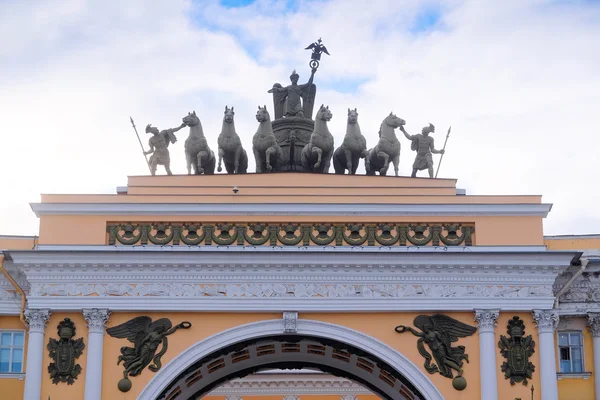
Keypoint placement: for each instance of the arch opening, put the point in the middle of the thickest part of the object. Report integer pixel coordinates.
(263, 345)
(290, 352)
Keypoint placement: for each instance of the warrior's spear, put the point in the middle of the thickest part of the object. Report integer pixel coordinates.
(442, 157)
(141, 145)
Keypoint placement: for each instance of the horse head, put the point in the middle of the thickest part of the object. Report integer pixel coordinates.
(262, 115)
(393, 121)
(352, 116)
(324, 113)
(191, 119)
(228, 115)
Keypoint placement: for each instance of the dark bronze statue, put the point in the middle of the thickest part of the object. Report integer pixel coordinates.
(517, 348)
(423, 144)
(64, 352)
(439, 332)
(294, 100)
(352, 149)
(230, 146)
(146, 337)
(317, 49)
(159, 147)
(198, 154)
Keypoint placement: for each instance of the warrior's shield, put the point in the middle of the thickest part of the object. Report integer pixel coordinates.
(518, 359)
(64, 358)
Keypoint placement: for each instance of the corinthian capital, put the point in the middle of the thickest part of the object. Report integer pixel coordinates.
(486, 319)
(96, 319)
(36, 319)
(546, 320)
(594, 324)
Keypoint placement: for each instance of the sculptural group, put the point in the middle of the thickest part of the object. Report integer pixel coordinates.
(293, 141)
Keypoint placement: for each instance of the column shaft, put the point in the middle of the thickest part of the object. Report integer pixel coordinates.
(547, 320)
(35, 353)
(96, 320)
(487, 353)
(594, 325)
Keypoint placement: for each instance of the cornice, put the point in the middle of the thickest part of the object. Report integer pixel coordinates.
(292, 209)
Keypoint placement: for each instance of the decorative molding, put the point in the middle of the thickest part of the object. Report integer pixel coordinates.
(580, 375)
(305, 327)
(96, 319)
(292, 209)
(546, 320)
(486, 320)
(290, 383)
(233, 398)
(291, 397)
(594, 324)
(36, 319)
(290, 322)
(315, 234)
(348, 397)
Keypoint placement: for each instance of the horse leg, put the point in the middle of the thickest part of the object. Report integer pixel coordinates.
(396, 161)
(200, 155)
(258, 160)
(327, 159)
(349, 161)
(386, 162)
(236, 158)
(319, 156)
(270, 151)
(221, 154)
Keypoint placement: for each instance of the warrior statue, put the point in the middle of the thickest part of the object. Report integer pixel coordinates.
(423, 144)
(159, 144)
(352, 149)
(294, 100)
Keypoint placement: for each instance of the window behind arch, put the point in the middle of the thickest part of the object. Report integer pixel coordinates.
(570, 349)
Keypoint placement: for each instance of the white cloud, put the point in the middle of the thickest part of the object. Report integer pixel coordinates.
(517, 80)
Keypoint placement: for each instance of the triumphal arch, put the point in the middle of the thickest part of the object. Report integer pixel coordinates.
(293, 282)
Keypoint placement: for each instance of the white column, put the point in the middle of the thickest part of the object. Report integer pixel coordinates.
(36, 319)
(546, 321)
(594, 324)
(487, 353)
(96, 320)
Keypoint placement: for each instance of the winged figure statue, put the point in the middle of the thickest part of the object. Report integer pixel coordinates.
(439, 332)
(146, 337)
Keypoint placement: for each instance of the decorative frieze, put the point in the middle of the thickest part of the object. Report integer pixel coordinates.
(291, 234)
(36, 319)
(298, 290)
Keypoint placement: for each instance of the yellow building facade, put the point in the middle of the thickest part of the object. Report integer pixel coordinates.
(299, 286)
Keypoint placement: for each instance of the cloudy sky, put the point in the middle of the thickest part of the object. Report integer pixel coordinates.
(518, 80)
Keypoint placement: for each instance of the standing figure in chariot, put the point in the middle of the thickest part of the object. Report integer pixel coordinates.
(288, 100)
(159, 144)
(423, 144)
